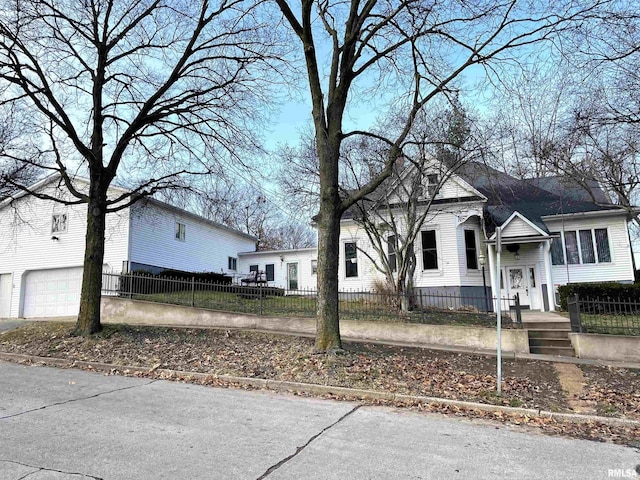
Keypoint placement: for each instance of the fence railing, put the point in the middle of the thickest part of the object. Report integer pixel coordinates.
(419, 307)
(604, 315)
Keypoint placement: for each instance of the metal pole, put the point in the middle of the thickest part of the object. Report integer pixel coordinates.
(193, 291)
(499, 313)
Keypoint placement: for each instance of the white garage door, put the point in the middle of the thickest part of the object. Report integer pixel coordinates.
(52, 293)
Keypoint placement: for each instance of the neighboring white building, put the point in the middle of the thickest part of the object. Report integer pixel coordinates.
(288, 269)
(43, 242)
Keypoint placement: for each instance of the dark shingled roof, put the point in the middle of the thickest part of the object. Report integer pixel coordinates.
(533, 198)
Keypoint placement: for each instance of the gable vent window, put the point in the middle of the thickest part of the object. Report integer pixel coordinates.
(432, 185)
(180, 231)
(59, 223)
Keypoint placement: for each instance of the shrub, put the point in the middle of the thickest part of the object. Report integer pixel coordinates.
(604, 290)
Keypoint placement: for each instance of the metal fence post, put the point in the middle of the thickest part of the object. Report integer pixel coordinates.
(130, 285)
(260, 293)
(518, 310)
(193, 291)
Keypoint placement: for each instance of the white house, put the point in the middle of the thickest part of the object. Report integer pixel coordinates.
(288, 269)
(553, 233)
(42, 247)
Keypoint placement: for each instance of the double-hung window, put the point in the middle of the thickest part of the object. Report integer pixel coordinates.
(471, 249)
(350, 260)
(391, 252)
(59, 223)
(429, 250)
(180, 231)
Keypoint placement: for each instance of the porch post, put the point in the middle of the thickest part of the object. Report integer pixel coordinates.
(547, 273)
(495, 287)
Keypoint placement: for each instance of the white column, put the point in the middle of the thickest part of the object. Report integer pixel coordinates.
(495, 287)
(547, 274)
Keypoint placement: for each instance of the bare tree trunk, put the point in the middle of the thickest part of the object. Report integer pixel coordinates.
(327, 321)
(89, 318)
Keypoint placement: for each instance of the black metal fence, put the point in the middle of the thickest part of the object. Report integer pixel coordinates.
(354, 304)
(604, 315)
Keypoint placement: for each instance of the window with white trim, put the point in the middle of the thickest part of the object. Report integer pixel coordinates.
(350, 260)
(269, 269)
(432, 184)
(471, 249)
(586, 246)
(180, 231)
(59, 223)
(233, 263)
(429, 250)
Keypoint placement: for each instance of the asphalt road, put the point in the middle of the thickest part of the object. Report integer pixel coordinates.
(70, 424)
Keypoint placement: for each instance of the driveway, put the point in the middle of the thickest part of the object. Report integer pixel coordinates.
(71, 424)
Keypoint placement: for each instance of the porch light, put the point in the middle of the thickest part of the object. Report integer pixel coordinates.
(482, 260)
(516, 256)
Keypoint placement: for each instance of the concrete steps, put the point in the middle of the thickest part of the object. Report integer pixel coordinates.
(550, 338)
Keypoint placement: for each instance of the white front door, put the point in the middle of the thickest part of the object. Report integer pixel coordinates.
(52, 293)
(5, 295)
(518, 278)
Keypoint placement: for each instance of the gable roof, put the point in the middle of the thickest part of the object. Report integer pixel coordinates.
(506, 195)
(56, 176)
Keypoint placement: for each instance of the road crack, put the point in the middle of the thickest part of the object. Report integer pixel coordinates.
(276, 466)
(77, 399)
(40, 469)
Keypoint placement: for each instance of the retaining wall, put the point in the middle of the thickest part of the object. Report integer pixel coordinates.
(136, 312)
(618, 348)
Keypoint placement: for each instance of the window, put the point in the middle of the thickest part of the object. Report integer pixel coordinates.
(571, 247)
(253, 268)
(391, 252)
(532, 277)
(579, 247)
(233, 263)
(432, 184)
(350, 260)
(557, 255)
(314, 267)
(586, 247)
(180, 231)
(602, 244)
(429, 250)
(470, 246)
(269, 269)
(59, 223)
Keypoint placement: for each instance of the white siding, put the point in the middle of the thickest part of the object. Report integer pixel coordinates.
(452, 263)
(517, 227)
(280, 260)
(621, 266)
(206, 247)
(26, 242)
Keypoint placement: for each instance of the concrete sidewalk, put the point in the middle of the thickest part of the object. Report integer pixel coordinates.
(71, 424)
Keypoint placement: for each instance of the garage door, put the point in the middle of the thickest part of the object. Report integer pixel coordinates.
(52, 293)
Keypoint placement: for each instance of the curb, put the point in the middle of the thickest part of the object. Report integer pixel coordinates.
(286, 386)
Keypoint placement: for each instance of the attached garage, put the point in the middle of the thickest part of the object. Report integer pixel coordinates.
(52, 293)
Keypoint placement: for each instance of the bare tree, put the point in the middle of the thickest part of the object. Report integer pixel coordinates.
(413, 51)
(143, 89)
(439, 145)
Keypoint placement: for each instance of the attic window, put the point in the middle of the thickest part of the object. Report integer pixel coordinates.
(432, 184)
(59, 223)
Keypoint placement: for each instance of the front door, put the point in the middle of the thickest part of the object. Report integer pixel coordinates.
(519, 284)
(292, 275)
